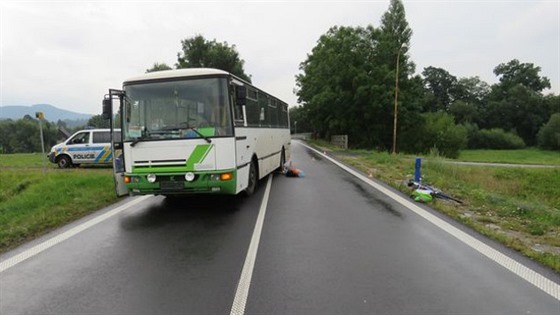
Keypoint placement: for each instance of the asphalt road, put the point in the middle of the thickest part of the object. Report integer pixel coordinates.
(329, 243)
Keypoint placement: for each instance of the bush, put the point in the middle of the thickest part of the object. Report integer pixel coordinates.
(549, 134)
(495, 138)
(439, 132)
(472, 133)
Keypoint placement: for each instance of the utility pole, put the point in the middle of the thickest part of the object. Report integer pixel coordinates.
(396, 99)
(40, 116)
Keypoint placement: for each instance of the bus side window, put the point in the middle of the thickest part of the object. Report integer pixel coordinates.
(239, 121)
(240, 97)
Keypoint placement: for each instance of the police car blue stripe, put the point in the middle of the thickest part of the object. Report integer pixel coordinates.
(109, 157)
(85, 149)
(99, 156)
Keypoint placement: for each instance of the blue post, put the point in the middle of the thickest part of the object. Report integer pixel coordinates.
(417, 170)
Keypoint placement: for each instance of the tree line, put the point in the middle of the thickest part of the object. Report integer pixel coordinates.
(23, 135)
(347, 86)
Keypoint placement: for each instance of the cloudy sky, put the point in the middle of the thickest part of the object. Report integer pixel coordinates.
(68, 53)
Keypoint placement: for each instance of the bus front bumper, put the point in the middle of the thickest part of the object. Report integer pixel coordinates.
(174, 184)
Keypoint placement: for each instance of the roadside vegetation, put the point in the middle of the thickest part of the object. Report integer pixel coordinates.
(524, 156)
(516, 206)
(35, 199)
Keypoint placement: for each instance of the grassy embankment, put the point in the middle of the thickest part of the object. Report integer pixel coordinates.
(35, 200)
(516, 206)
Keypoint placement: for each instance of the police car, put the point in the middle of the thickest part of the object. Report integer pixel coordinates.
(90, 146)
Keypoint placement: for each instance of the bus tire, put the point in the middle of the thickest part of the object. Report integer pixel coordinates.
(253, 179)
(280, 168)
(64, 162)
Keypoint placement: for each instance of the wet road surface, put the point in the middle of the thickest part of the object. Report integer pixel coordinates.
(330, 244)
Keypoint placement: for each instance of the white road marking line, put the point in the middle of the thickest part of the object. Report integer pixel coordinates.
(12, 261)
(548, 286)
(242, 292)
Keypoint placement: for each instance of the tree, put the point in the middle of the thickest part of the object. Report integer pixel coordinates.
(98, 122)
(23, 136)
(347, 84)
(335, 81)
(526, 74)
(552, 104)
(549, 133)
(6, 131)
(463, 112)
(472, 90)
(159, 67)
(519, 110)
(441, 87)
(395, 34)
(299, 120)
(516, 103)
(198, 52)
(470, 101)
(393, 44)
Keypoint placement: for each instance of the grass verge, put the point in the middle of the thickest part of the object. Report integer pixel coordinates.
(516, 206)
(525, 156)
(36, 199)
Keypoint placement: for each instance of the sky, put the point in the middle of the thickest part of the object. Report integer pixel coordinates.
(69, 53)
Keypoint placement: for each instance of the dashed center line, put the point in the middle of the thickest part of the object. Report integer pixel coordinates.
(242, 292)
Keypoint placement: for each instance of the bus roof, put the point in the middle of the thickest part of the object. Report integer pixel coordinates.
(165, 74)
(188, 72)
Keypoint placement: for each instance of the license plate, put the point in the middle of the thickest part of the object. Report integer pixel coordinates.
(171, 185)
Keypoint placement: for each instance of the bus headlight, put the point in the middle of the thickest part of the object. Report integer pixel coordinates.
(151, 178)
(189, 177)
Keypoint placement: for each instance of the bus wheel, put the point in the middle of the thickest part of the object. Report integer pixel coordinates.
(64, 162)
(282, 162)
(253, 179)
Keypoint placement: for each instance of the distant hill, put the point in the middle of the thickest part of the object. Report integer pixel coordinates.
(51, 113)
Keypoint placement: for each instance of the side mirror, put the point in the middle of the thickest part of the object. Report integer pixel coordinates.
(241, 95)
(107, 108)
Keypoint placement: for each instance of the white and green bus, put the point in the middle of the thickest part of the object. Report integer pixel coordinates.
(195, 131)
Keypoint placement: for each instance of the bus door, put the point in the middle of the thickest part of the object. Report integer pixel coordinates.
(116, 141)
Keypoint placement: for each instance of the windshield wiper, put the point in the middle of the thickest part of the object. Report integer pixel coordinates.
(201, 135)
(137, 140)
(190, 128)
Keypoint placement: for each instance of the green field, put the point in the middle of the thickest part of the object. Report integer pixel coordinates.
(35, 199)
(526, 156)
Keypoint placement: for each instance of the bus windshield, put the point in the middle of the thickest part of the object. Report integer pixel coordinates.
(177, 109)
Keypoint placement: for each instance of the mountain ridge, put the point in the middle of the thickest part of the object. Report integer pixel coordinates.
(52, 113)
